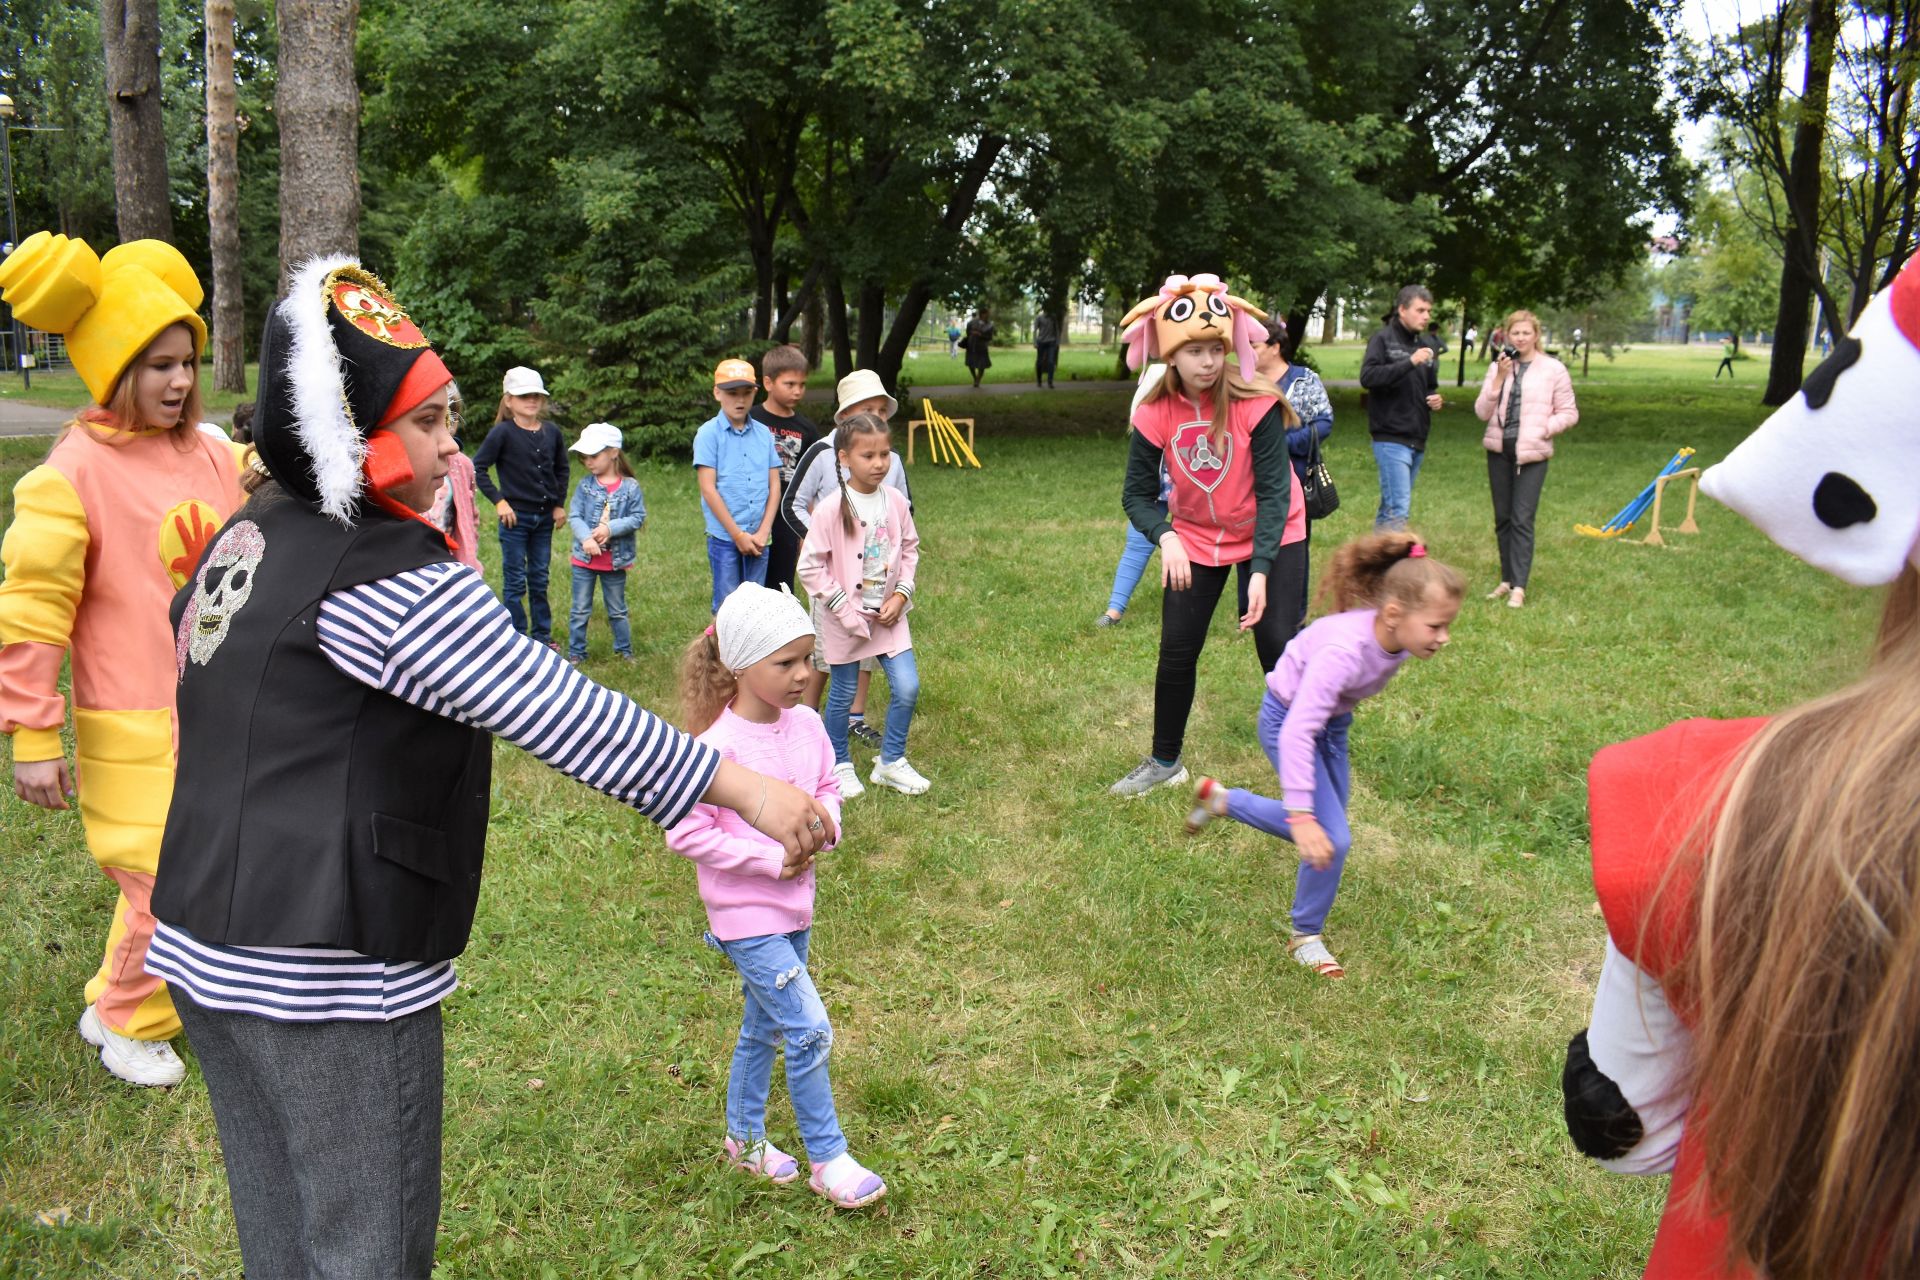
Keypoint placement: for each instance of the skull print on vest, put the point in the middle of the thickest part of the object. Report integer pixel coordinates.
(220, 590)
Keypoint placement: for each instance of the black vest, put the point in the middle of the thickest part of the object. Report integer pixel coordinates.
(310, 809)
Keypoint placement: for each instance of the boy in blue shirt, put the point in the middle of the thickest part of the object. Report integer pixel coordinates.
(739, 473)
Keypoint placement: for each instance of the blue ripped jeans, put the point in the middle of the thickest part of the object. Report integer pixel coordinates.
(782, 1009)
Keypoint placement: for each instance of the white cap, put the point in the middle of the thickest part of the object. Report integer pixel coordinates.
(756, 621)
(522, 381)
(598, 436)
(861, 384)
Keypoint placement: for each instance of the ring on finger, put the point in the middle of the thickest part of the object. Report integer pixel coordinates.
(814, 824)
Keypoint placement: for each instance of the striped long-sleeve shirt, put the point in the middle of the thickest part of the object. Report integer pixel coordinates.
(437, 638)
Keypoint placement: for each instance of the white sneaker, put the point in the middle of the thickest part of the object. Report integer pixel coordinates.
(849, 779)
(151, 1062)
(899, 775)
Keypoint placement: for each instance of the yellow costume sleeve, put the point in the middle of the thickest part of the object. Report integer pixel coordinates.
(44, 555)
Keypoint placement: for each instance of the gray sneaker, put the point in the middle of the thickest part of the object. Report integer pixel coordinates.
(1147, 775)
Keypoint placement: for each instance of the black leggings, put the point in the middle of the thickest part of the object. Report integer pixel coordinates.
(1184, 619)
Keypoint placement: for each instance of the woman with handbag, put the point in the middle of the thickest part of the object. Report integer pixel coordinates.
(1526, 400)
(1308, 395)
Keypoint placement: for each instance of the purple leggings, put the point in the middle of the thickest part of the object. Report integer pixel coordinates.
(1332, 784)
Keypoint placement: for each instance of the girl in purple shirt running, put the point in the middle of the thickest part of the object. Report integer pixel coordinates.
(1394, 601)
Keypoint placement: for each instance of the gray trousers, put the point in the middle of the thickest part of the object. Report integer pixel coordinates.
(1516, 500)
(331, 1136)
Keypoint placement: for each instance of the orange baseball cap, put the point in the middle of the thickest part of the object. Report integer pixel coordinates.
(732, 375)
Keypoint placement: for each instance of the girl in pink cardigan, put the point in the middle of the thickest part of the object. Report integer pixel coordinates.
(1525, 401)
(858, 561)
(741, 684)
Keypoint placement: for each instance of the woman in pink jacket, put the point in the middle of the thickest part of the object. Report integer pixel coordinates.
(1526, 400)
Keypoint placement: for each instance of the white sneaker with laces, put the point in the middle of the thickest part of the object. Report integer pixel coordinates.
(849, 779)
(148, 1062)
(899, 775)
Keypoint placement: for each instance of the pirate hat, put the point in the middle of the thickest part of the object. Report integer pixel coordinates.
(338, 360)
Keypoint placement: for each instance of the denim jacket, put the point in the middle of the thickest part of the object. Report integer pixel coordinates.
(629, 513)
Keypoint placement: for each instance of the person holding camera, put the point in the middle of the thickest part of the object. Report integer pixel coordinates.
(1526, 400)
(1403, 390)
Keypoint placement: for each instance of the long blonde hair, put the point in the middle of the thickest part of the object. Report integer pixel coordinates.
(706, 686)
(1805, 973)
(1230, 387)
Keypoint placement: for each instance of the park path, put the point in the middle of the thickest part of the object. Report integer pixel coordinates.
(31, 419)
(962, 390)
(38, 420)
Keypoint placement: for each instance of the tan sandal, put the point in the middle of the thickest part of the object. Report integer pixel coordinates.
(1499, 591)
(1310, 949)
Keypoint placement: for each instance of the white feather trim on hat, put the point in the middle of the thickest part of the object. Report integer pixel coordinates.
(317, 379)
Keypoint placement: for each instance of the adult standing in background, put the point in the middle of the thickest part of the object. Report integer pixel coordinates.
(530, 499)
(1046, 349)
(1525, 401)
(979, 338)
(1399, 376)
(1308, 395)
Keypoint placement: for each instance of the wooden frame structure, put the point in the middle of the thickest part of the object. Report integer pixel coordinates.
(943, 437)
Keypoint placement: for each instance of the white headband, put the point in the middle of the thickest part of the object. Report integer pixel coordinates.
(756, 621)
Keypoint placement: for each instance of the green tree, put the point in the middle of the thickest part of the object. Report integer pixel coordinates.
(1736, 286)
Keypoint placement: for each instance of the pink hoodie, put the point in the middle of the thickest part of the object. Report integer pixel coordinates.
(739, 868)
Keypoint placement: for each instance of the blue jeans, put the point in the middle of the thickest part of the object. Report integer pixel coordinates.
(1399, 467)
(903, 685)
(1132, 567)
(782, 1008)
(526, 553)
(613, 593)
(730, 568)
(1332, 787)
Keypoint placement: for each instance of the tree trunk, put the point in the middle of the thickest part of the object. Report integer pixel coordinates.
(318, 105)
(837, 326)
(1460, 377)
(1586, 348)
(873, 315)
(762, 254)
(130, 35)
(223, 203)
(814, 322)
(1789, 361)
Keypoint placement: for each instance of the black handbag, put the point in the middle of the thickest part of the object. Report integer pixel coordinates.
(1316, 486)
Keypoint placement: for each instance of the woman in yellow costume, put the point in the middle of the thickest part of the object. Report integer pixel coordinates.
(104, 532)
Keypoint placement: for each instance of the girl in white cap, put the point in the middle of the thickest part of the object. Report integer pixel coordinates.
(740, 685)
(530, 499)
(606, 512)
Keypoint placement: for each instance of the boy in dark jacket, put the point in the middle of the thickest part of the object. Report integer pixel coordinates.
(1402, 386)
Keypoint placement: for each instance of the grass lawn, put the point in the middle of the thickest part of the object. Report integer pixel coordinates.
(1067, 1034)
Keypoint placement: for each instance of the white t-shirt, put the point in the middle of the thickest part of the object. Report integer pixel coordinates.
(878, 548)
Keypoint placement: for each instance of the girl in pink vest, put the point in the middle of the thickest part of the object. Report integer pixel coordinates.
(1234, 507)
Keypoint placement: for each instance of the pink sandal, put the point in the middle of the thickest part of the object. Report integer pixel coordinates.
(763, 1160)
(861, 1187)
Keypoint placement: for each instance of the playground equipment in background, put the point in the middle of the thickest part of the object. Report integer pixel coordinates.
(943, 437)
(1651, 497)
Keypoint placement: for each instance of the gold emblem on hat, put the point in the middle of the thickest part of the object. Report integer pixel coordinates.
(365, 302)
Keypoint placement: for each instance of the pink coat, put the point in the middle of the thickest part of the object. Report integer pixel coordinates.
(830, 571)
(1546, 408)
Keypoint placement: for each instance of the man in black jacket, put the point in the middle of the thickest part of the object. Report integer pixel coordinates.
(1403, 390)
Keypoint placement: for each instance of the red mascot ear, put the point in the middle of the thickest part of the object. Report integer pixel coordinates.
(1906, 300)
(386, 464)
